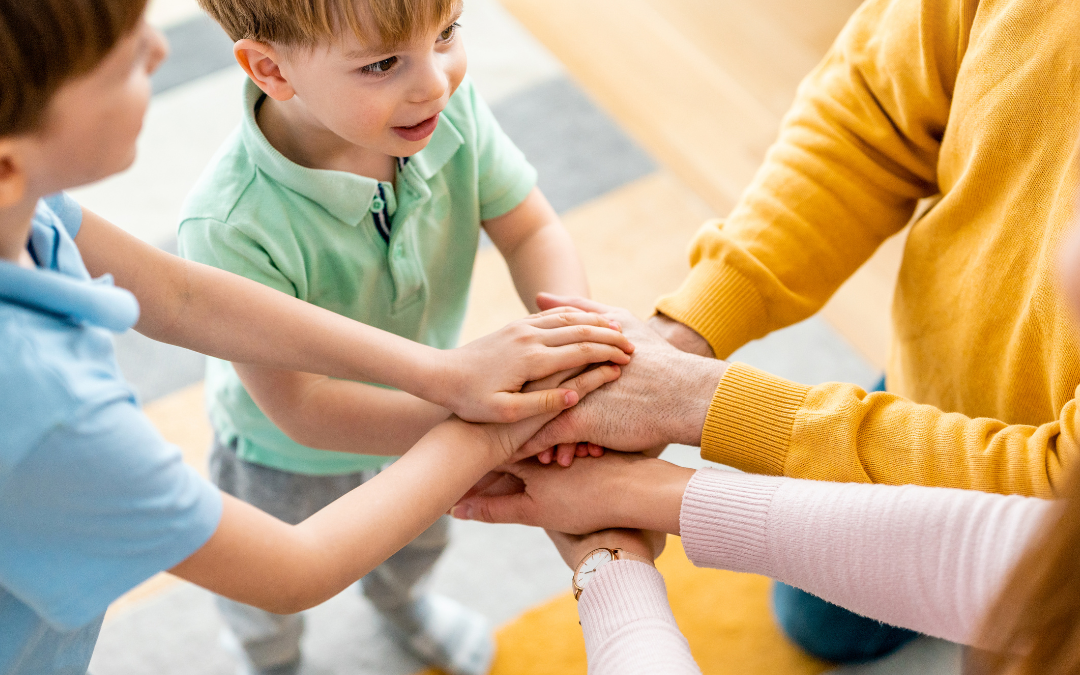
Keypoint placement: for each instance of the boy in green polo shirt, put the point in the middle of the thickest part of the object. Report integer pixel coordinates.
(359, 179)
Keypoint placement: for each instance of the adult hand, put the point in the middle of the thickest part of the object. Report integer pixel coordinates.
(662, 396)
(573, 548)
(505, 440)
(616, 490)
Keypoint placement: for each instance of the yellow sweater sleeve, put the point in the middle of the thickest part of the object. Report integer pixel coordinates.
(855, 154)
(838, 432)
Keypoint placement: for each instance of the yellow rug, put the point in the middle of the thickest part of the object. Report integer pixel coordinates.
(725, 616)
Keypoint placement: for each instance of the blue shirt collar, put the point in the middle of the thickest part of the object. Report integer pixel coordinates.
(61, 286)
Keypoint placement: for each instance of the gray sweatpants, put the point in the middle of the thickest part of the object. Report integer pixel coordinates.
(273, 639)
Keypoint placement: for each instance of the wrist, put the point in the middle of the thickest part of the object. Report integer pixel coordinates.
(430, 374)
(693, 390)
(631, 541)
(650, 493)
(475, 442)
(681, 336)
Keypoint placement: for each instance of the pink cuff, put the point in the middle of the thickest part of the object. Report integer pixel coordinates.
(724, 520)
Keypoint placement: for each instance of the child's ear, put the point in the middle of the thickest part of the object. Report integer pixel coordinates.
(262, 64)
(12, 174)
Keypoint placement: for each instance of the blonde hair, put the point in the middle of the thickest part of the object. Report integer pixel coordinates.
(311, 22)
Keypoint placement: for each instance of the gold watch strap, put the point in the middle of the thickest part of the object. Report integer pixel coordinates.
(616, 554)
(623, 554)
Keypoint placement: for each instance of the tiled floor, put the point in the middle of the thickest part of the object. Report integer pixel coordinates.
(631, 221)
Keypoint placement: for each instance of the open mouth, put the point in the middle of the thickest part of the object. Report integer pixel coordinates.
(418, 132)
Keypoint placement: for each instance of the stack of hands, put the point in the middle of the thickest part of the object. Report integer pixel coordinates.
(618, 500)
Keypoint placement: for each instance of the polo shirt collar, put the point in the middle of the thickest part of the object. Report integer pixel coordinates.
(96, 302)
(346, 196)
(61, 286)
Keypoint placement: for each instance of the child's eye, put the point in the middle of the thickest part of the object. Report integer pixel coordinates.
(451, 30)
(380, 66)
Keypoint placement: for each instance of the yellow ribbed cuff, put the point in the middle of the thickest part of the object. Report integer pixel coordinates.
(720, 304)
(750, 420)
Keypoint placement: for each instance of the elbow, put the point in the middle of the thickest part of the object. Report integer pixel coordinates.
(298, 432)
(299, 587)
(290, 603)
(291, 418)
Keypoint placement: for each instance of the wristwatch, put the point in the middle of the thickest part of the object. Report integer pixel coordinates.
(596, 559)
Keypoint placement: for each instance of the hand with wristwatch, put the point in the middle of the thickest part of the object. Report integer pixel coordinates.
(588, 554)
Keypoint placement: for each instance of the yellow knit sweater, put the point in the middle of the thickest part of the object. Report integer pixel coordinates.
(977, 102)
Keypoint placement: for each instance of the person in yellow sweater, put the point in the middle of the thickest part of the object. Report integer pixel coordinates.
(973, 102)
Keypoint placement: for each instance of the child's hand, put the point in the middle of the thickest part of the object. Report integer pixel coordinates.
(482, 381)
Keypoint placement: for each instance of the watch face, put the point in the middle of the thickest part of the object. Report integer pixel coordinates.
(590, 565)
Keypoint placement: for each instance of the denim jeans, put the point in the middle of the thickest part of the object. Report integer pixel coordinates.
(831, 632)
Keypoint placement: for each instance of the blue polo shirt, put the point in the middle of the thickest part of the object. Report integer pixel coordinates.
(93, 501)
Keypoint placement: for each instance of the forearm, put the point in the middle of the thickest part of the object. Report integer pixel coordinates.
(287, 569)
(236, 319)
(546, 261)
(929, 559)
(224, 315)
(340, 415)
(764, 424)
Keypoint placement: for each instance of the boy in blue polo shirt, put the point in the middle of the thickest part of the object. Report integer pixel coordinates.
(359, 180)
(92, 499)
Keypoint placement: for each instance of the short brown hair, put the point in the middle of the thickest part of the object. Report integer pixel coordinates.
(44, 43)
(309, 22)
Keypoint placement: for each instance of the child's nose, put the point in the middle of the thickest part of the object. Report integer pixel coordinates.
(431, 83)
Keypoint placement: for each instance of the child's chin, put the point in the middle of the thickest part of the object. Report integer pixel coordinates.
(410, 148)
(104, 170)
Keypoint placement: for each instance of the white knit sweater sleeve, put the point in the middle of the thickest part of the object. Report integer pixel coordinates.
(629, 629)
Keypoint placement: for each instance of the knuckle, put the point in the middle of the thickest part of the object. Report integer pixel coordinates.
(483, 512)
(548, 402)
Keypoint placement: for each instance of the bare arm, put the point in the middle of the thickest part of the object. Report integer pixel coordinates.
(259, 560)
(211, 311)
(538, 250)
(340, 415)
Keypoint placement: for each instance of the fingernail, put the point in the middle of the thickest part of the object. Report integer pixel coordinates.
(615, 325)
(570, 399)
(461, 512)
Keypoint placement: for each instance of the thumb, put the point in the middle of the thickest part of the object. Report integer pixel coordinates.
(559, 430)
(497, 509)
(523, 405)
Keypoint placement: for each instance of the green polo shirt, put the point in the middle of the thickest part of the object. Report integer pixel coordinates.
(311, 234)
